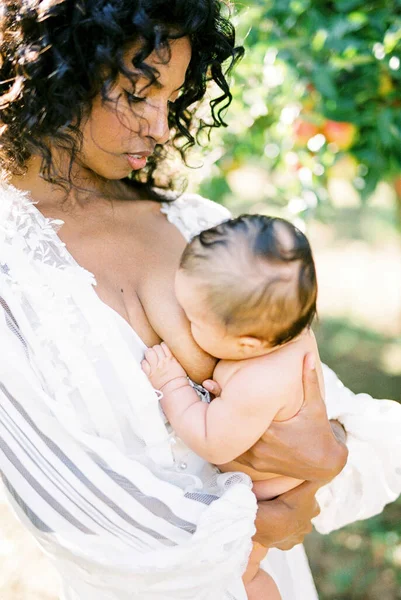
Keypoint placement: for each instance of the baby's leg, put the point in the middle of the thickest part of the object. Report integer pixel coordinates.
(262, 587)
(258, 584)
(257, 555)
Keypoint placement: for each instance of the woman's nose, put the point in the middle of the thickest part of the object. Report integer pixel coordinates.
(158, 128)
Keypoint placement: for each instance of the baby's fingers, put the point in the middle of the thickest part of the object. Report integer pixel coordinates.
(159, 352)
(146, 367)
(151, 356)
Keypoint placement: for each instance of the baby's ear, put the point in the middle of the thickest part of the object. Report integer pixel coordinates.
(250, 344)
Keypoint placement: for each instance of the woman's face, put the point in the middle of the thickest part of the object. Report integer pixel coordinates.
(119, 134)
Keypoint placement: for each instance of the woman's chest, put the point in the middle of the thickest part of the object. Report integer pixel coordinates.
(134, 260)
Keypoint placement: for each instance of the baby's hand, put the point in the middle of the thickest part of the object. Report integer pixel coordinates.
(161, 366)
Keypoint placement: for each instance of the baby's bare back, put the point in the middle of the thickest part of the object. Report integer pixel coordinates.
(280, 372)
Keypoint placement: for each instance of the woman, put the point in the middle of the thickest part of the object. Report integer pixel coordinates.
(91, 92)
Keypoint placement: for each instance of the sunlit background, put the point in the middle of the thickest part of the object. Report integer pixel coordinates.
(314, 135)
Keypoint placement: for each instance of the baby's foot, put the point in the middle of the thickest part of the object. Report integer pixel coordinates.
(161, 366)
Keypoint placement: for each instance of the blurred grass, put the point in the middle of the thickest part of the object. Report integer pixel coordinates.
(354, 354)
(361, 561)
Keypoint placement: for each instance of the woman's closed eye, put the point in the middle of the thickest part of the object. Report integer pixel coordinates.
(132, 98)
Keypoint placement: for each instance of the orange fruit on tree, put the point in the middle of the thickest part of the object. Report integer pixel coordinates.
(304, 130)
(341, 133)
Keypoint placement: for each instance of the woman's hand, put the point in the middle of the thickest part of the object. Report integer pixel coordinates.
(283, 522)
(304, 447)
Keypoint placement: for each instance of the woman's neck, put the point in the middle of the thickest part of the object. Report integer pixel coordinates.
(84, 190)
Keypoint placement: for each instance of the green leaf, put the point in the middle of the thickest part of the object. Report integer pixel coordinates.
(384, 127)
(319, 40)
(347, 5)
(324, 82)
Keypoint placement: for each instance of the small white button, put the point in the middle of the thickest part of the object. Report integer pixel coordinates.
(182, 466)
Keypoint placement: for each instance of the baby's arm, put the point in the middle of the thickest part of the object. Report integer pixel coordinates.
(232, 423)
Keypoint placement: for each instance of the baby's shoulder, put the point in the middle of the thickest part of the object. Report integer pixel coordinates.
(280, 369)
(265, 372)
(296, 348)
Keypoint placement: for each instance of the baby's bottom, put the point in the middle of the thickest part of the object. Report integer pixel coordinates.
(258, 584)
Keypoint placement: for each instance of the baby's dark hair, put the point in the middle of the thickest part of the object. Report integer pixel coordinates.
(56, 56)
(258, 276)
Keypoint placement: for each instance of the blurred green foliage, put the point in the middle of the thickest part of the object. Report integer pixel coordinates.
(318, 94)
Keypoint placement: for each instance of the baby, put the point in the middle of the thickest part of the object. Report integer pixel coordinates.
(248, 288)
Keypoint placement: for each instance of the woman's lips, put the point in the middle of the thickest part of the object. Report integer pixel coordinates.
(137, 161)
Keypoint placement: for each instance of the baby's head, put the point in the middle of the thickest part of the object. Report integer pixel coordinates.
(247, 286)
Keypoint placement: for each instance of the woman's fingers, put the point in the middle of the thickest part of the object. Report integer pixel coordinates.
(284, 521)
(151, 356)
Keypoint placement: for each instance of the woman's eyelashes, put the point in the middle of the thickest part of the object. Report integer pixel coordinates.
(132, 98)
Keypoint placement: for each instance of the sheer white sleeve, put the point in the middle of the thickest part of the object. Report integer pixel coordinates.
(84, 453)
(192, 213)
(372, 476)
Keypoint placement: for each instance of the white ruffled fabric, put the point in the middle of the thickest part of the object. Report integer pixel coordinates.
(372, 476)
(122, 508)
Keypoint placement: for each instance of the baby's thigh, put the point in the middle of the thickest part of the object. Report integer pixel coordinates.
(262, 587)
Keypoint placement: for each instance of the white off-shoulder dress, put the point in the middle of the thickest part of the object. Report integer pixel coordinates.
(121, 507)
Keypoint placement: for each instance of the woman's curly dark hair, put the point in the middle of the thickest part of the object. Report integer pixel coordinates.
(56, 56)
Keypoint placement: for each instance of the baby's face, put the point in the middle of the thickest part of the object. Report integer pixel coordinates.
(207, 331)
